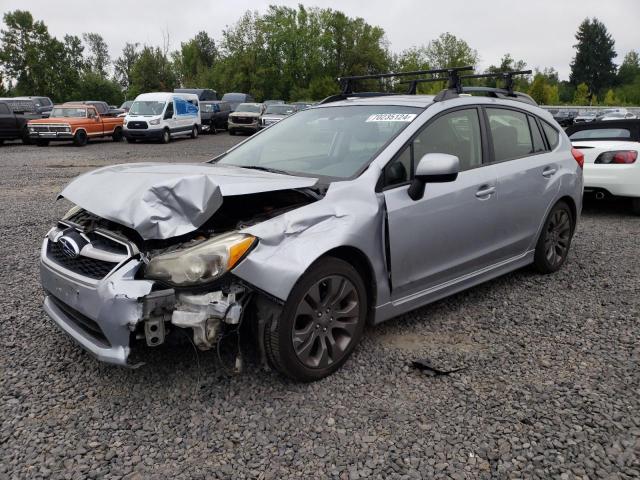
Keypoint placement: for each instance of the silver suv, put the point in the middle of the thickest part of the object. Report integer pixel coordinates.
(339, 216)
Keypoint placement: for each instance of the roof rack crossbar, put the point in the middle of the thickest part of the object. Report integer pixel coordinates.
(413, 84)
(506, 76)
(346, 83)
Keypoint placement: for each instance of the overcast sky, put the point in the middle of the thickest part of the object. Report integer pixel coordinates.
(540, 32)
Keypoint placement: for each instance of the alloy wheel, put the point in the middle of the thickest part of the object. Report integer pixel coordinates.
(558, 237)
(326, 321)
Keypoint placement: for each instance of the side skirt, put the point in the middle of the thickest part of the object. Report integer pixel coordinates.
(430, 295)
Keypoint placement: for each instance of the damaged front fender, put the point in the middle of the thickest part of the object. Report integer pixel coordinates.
(290, 243)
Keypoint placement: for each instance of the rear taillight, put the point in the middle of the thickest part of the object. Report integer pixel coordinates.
(617, 157)
(579, 156)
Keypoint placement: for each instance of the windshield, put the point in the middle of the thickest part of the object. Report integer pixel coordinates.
(68, 112)
(280, 109)
(333, 141)
(248, 107)
(143, 107)
(126, 104)
(207, 107)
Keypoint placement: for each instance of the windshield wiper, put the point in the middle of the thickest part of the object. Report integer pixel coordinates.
(265, 169)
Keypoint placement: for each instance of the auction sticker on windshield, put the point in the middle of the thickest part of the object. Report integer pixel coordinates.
(391, 117)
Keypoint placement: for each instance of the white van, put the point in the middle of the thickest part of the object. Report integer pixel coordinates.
(161, 116)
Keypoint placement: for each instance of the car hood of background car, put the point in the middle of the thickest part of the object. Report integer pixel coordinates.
(161, 201)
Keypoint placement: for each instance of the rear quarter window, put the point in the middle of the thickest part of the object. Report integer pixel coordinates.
(597, 133)
(553, 137)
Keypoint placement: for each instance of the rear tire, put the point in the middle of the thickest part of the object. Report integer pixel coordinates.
(635, 206)
(166, 136)
(117, 135)
(80, 138)
(194, 132)
(555, 239)
(320, 324)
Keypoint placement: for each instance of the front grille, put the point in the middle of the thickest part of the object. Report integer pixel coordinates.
(88, 267)
(137, 125)
(49, 128)
(83, 322)
(243, 120)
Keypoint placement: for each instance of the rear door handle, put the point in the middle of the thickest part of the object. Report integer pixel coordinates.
(485, 191)
(548, 172)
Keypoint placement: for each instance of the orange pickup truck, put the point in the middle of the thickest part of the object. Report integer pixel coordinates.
(77, 123)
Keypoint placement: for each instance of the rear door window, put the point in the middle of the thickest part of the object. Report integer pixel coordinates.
(538, 142)
(510, 133)
(553, 137)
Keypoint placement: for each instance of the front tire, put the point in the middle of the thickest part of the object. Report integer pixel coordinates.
(321, 323)
(555, 239)
(80, 138)
(117, 135)
(26, 139)
(166, 136)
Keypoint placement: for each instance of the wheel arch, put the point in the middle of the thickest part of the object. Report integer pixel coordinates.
(358, 260)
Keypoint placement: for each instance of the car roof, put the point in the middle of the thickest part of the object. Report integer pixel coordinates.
(420, 101)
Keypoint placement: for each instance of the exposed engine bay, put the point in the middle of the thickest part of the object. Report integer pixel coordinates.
(209, 310)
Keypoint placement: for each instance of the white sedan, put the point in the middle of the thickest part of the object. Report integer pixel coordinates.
(611, 165)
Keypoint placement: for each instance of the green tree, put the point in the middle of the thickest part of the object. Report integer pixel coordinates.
(123, 65)
(93, 86)
(450, 51)
(630, 68)
(509, 64)
(610, 98)
(151, 72)
(24, 46)
(582, 95)
(538, 89)
(194, 61)
(593, 62)
(98, 59)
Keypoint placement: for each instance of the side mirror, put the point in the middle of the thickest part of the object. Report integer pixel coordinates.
(433, 168)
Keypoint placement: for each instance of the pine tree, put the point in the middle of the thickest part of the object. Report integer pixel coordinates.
(593, 62)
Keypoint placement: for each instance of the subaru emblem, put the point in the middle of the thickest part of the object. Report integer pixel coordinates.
(69, 247)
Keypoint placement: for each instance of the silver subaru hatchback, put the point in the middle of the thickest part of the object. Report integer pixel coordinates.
(339, 216)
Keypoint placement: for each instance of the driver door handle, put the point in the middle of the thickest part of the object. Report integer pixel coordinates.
(485, 191)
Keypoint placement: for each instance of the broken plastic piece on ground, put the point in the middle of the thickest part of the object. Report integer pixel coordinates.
(425, 365)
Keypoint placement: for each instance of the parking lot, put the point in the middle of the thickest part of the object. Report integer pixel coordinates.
(548, 386)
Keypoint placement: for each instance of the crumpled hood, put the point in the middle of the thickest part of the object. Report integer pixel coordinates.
(161, 200)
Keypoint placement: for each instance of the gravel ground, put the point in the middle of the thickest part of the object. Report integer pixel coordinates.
(550, 390)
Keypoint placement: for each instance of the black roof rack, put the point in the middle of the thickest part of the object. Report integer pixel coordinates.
(506, 92)
(453, 79)
(346, 83)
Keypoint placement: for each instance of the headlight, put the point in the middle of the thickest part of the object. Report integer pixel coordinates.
(32, 129)
(200, 264)
(155, 121)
